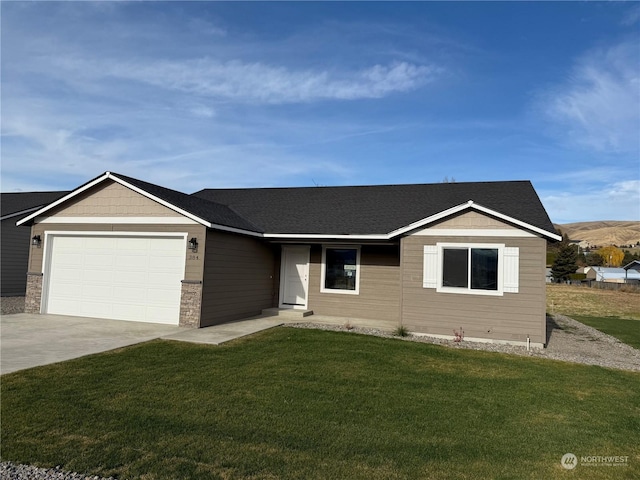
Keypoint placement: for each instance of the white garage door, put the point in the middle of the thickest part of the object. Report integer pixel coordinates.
(122, 278)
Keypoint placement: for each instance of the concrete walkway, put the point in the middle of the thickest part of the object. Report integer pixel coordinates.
(225, 332)
(31, 340)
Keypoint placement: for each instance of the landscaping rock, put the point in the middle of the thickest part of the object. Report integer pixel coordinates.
(10, 471)
(9, 305)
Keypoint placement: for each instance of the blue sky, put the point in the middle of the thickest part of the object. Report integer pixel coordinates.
(210, 94)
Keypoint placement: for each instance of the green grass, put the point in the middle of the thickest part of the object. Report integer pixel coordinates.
(297, 403)
(625, 330)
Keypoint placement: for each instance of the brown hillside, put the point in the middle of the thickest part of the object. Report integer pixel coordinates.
(603, 232)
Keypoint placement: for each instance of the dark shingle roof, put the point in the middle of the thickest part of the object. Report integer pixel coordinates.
(202, 208)
(362, 210)
(19, 202)
(377, 209)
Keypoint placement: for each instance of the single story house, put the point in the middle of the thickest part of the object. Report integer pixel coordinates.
(430, 257)
(633, 265)
(613, 274)
(14, 240)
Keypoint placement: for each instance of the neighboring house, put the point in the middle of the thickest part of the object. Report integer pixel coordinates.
(548, 276)
(14, 241)
(433, 258)
(613, 275)
(634, 265)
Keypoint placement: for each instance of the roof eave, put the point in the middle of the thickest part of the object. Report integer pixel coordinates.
(323, 236)
(20, 213)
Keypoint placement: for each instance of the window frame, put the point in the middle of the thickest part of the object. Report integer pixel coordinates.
(441, 246)
(323, 270)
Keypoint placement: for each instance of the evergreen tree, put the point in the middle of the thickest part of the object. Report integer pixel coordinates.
(593, 259)
(628, 258)
(565, 263)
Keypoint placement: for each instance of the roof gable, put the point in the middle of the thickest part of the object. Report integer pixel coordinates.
(200, 210)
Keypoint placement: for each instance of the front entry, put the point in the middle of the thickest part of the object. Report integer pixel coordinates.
(294, 276)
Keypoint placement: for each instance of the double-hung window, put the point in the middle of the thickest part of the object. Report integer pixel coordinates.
(340, 270)
(479, 269)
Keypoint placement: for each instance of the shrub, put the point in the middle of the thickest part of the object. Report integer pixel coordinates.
(402, 331)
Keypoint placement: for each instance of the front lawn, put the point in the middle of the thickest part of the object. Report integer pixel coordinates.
(297, 403)
(627, 331)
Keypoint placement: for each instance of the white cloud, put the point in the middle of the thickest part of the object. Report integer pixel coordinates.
(206, 28)
(254, 82)
(612, 201)
(632, 16)
(202, 111)
(174, 149)
(598, 107)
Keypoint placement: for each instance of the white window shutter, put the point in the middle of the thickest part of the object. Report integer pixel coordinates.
(511, 269)
(430, 270)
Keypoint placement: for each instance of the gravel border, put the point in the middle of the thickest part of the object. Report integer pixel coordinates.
(568, 341)
(11, 471)
(10, 305)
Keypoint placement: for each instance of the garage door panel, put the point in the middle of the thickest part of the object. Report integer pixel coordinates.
(65, 289)
(132, 262)
(96, 292)
(73, 275)
(65, 304)
(126, 278)
(157, 311)
(97, 309)
(70, 258)
(100, 244)
(130, 295)
(134, 278)
(98, 260)
(165, 263)
(123, 311)
(73, 244)
(97, 276)
(162, 297)
(159, 279)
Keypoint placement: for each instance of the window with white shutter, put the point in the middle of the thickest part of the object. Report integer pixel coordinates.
(471, 268)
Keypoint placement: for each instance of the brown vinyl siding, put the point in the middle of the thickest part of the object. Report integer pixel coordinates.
(239, 279)
(379, 295)
(513, 316)
(472, 219)
(15, 242)
(110, 199)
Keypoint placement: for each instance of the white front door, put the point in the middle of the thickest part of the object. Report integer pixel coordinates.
(294, 277)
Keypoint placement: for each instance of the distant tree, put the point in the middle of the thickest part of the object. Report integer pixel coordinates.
(565, 263)
(628, 257)
(611, 256)
(593, 260)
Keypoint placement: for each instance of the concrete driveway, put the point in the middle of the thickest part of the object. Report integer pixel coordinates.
(28, 340)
